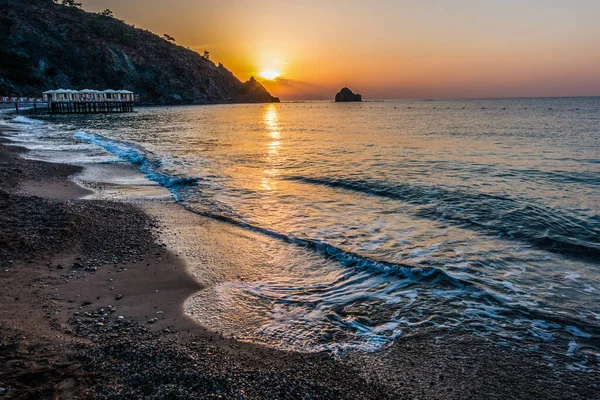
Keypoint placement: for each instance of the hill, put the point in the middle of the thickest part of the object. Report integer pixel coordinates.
(44, 46)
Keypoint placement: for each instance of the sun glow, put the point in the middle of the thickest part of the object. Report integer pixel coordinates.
(269, 74)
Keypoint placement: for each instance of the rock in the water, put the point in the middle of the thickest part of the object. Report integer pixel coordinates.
(346, 95)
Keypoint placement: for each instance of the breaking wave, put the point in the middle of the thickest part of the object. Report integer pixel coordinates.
(149, 165)
(24, 120)
(539, 226)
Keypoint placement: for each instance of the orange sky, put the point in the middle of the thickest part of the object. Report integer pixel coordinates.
(386, 48)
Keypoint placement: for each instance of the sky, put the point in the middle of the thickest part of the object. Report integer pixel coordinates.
(388, 49)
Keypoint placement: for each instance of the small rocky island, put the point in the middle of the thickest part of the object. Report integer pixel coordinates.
(346, 95)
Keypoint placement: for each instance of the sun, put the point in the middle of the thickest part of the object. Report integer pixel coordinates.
(269, 74)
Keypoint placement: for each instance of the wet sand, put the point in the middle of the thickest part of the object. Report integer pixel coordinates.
(92, 306)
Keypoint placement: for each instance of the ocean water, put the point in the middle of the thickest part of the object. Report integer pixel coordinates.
(382, 219)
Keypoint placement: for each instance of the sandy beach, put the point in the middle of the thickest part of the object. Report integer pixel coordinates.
(92, 293)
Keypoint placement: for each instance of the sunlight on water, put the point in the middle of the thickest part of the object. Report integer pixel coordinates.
(271, 171)
(370, 221)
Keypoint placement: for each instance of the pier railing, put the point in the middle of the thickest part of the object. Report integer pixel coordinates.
(20, 100)
(67, 107)
(19, 103)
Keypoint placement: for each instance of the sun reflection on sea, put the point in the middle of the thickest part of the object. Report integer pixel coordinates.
(271, 120)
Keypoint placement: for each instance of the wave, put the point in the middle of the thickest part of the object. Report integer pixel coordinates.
(149, 165)
(458, 300)
(541, 227)
(560, 177)
(348, 259)
(453, 300)
(24, 120)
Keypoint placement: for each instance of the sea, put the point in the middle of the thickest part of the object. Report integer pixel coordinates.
(380, 219)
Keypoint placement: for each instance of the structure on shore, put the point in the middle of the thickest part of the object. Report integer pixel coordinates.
(89, 101)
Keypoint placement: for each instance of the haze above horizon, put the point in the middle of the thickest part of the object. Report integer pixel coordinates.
(388, 49)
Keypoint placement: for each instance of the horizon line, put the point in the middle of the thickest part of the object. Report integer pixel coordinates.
(454, 98)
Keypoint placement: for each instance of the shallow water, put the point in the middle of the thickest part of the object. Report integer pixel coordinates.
(381, 218)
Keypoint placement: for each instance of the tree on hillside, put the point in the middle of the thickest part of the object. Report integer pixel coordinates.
(69, 3)
(169, 37)
(106, 13)
(206, 55)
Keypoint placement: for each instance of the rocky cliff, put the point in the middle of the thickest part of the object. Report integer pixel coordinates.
(44, 46)
(346, 95)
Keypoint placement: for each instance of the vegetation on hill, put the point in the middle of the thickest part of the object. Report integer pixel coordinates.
(45, 45)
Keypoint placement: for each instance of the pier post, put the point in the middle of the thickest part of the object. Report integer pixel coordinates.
(17, 106)
(87, 107)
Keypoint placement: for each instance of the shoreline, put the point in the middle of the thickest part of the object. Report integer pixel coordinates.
(74, 312)
(60, 324)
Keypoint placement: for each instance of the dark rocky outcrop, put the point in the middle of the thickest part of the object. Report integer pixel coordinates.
(346, 95)
(44, 46)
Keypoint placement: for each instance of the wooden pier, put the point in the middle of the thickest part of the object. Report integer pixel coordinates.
(90, 107)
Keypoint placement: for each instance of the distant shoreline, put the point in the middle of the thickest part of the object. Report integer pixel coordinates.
(370, 100)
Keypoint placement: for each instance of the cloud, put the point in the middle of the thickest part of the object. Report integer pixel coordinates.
(292, 89)
(205, 46)
(292, 83)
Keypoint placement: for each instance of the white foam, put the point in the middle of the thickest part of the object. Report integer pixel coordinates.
(572, 348)
(589, 289)
(572, 276)
(24, 120)
(577, 332)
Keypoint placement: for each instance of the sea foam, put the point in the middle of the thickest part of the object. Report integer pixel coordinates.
(148, 163)
(24, 120)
